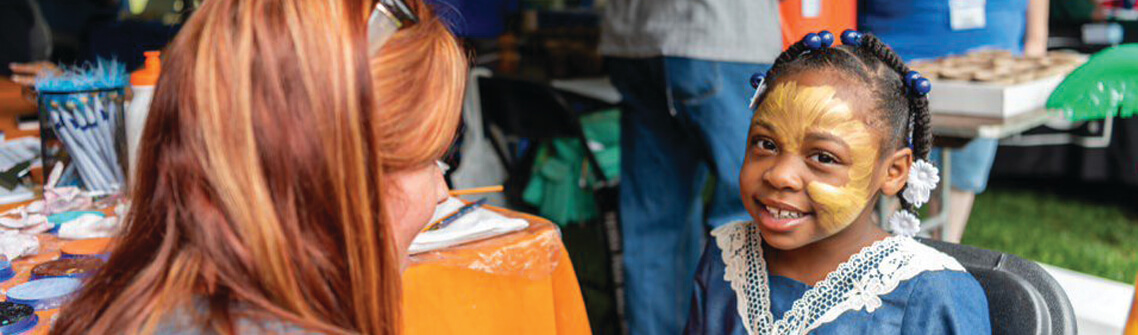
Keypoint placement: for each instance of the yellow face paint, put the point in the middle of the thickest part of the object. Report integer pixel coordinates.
(794, 112)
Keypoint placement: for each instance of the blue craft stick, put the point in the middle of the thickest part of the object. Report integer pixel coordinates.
(459, 214)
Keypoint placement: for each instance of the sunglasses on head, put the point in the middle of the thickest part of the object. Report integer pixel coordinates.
(387, 17)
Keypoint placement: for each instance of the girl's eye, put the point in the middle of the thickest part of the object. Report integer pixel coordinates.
(766, 145)
(824, 158)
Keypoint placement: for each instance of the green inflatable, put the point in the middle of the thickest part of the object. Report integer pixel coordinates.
(1106, 86)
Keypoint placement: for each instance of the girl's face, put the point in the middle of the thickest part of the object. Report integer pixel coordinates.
(812, 162)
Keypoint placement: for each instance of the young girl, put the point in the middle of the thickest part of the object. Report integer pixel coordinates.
(834, 127)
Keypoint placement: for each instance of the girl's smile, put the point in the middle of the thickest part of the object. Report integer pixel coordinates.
(779, 216)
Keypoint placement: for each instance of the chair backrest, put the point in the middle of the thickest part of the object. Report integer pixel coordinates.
(1022, 297)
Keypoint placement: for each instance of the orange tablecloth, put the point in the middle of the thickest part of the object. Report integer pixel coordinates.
(519, 283)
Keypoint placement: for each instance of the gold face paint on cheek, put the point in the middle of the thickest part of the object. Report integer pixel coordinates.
(794, 111)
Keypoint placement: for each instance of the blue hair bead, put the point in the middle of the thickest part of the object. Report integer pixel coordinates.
(827, 38)
(757, 79)
(911, 78)
(922, 86)
(851, 37)
(812, 41)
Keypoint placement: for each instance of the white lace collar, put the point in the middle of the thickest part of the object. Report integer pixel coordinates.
(856, 284)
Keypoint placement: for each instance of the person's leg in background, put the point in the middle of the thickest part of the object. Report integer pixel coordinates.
(970, 167)
(717, 106)
(659, 193)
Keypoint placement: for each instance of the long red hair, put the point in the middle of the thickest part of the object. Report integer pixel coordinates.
(260, 181)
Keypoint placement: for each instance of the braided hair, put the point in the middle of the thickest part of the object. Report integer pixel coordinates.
(871, 62)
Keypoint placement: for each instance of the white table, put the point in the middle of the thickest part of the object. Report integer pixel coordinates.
(967, 128)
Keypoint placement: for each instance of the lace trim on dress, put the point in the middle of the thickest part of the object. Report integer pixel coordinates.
(856, 284)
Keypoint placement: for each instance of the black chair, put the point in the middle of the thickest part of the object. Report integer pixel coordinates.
(1022, 297)
(518, 116)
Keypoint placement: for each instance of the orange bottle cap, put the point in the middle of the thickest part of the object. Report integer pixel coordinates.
(93, 246)
(148, 74)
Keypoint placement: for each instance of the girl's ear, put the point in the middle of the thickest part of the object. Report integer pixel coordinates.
(897, 171)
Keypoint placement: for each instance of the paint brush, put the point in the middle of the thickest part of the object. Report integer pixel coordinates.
(446, 221)
(477, 190)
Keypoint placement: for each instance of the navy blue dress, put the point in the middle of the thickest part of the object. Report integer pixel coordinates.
(933, 302)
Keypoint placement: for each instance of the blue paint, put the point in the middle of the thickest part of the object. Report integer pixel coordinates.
(6, 271)
(44, 294)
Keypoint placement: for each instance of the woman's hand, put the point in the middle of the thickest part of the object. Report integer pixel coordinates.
(25, 73)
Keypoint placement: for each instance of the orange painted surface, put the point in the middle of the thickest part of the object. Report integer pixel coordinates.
(92, 246)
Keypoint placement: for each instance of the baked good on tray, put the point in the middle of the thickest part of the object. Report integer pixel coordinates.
(998, 67)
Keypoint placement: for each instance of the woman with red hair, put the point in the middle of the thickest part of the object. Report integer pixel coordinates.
(286, 165)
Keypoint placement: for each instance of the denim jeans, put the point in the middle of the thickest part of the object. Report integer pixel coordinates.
(683, 119)
(970, 164)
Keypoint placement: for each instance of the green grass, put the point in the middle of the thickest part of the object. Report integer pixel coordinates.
(1087, 228)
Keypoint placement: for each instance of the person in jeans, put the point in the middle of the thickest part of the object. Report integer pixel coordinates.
(683, 69)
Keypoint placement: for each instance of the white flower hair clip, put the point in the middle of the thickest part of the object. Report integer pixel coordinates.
(904, 223)
(923, 177)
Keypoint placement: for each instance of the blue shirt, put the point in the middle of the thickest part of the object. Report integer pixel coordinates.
(921, 29)
(934, 302)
